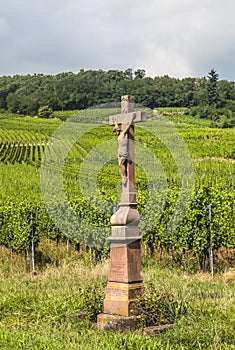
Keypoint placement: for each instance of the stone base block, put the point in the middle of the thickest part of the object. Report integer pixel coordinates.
(120, 298)
(125, 263)
(117, 322)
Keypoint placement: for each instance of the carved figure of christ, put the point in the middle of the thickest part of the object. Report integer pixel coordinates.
(123, 149)
(126, 137)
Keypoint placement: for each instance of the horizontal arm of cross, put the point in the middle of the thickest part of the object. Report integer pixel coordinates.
(128, 117)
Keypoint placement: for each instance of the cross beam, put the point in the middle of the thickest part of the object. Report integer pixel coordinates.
(127, 112)
(124, 118)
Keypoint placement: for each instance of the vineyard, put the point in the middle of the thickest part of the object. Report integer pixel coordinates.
(21, 146)
(61, 180)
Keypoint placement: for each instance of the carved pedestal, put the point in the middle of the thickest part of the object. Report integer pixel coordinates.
(125, 279)
(125, 285)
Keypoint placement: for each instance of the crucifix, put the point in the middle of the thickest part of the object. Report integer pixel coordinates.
(126, 137)
(125, 281)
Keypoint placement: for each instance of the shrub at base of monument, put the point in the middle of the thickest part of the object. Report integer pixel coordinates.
(160, 308)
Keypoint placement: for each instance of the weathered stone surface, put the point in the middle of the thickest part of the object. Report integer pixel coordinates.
(126, 215)
(123, 118)
(134, 323)
(120, 298)
(117, 322)
(127, 112)
(125, 263)
(125, 279)
(124, 234)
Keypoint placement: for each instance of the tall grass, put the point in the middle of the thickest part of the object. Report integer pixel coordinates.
(56, 308)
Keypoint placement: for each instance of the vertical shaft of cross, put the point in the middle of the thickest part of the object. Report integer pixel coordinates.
(128, 191)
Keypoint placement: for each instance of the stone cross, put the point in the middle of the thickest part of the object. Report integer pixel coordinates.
(125, 281)
(127, 119)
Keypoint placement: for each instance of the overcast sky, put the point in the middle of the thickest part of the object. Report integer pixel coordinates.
(180, 38)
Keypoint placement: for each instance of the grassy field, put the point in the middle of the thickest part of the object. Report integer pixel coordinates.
(36, 311)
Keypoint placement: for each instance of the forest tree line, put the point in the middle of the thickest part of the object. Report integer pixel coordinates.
(25, 94)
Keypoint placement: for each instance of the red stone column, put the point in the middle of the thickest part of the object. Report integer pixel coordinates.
(125, 279)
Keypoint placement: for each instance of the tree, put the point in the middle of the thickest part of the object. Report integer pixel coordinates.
(226, 91)
(212, 88)
(44, 112)
(139, 73)
(128, 74)
(64, 91)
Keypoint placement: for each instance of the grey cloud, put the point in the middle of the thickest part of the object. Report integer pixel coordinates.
(179, 38)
